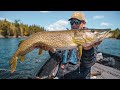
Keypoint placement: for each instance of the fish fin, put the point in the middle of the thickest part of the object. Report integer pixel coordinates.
(22, 58)
(40, 51)
(75, 40)
(80, 50)
(13, 64)
(78, 41)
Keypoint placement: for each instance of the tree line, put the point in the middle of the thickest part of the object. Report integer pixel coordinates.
(16, 29)
(116, 33)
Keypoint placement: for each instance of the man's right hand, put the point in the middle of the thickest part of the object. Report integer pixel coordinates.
(49, 49)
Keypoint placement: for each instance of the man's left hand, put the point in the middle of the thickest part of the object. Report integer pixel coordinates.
(88, 46)
(97, 43)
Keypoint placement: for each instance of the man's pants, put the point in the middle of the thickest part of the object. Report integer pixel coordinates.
(74, 72)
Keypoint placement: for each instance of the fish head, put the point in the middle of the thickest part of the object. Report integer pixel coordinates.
(105, 34)
(109, 35)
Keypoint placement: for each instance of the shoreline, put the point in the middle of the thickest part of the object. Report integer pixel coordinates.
(12, 37)
(28, 36)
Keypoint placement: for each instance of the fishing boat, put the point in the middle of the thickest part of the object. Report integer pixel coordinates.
(108, 67)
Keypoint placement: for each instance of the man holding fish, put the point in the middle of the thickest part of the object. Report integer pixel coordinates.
(74, 49)
(73, 66)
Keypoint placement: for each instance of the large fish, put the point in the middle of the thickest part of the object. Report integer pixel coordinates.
(64, 39)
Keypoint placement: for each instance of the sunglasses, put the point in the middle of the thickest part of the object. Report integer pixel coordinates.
(77, 22)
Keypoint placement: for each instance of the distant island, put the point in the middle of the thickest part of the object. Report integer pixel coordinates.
(16, 29)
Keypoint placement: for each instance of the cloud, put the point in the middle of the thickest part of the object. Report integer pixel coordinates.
(86, 20)
(105, 24)
(59, 25)
(44, 11)
(1, 18)
(98, 17)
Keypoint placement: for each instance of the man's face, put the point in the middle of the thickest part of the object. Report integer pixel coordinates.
(75, 23)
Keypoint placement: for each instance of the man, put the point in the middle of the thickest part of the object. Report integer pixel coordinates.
(71, 66)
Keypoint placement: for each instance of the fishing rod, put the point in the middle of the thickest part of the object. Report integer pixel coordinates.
(95, 30)
(100, 30)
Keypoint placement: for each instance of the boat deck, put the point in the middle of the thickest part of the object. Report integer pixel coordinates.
(106, 72)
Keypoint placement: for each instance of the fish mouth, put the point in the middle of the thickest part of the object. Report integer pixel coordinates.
(107, 34)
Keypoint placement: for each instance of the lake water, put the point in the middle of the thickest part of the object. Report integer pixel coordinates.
(110, 46)
(28, 68)
(33, 61)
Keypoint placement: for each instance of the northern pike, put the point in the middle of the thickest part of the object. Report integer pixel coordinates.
(61, 40)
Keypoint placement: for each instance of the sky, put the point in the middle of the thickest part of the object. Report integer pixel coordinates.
(58, 20)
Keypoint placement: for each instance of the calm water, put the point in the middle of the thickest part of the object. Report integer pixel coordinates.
(24, 70)
(33, 61)
(110, 46)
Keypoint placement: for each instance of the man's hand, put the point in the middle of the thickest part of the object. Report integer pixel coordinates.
(47, 48)
(88, 46)
(97, 43)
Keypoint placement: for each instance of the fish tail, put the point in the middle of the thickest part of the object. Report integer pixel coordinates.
(13, 63)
